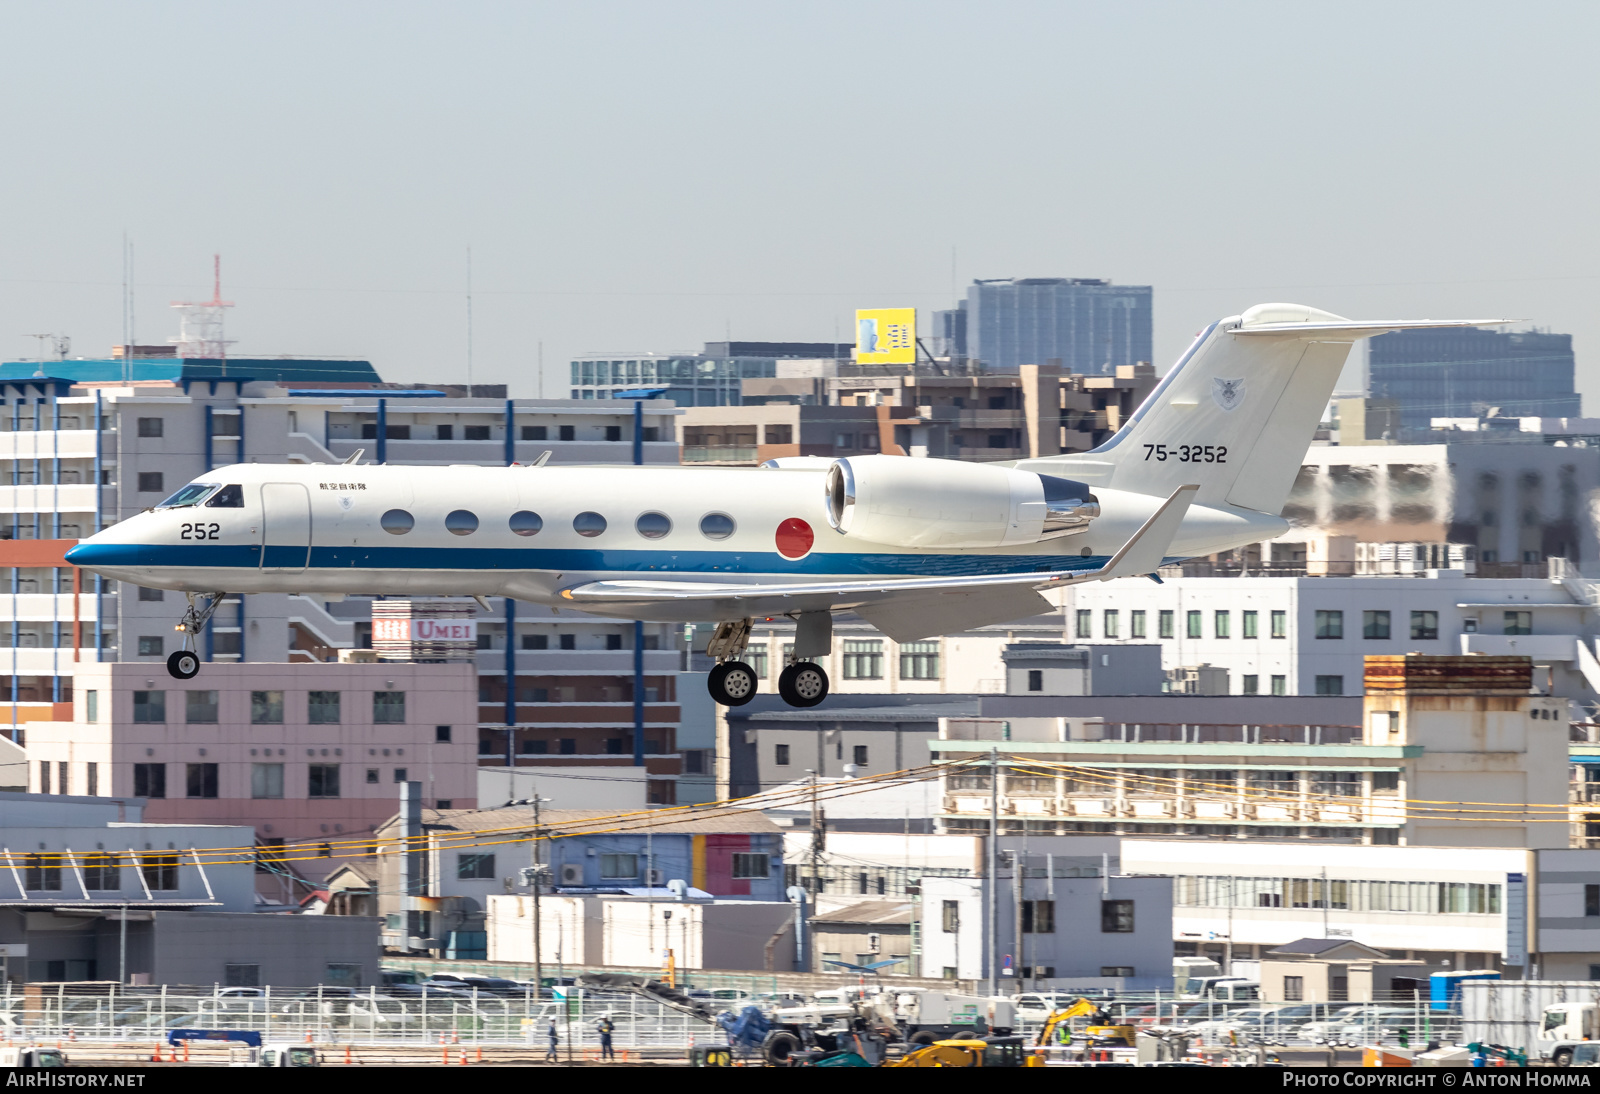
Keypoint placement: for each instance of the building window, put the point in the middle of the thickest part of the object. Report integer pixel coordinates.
(1330, 624)
(323, 781)
(1249, 626)
(200, 708)
(100, 873)
(1221, 626)
(1280, 685)
(1294, 988)
(1035, 679)
(475, 866)
(1085, 623)
(399, 774)
(1251, 685)
(1518, 623)
(694, 761)
(536, 641)
(1195, 623)
(266, 780)
(62, 785)
(859, 755)
(372, 775)
(568, 641)
(1280, 624)
(613, 641)
(160, 871)
(322, 708)
(748, 867)
(1375, 625)
(149, 780)
(389, 707)
(1330, 685)
(151, 427)
(535, 748)
(1116, 970)
(152, 482)
(42, 873)
(918, 660)
(567, 746)
(1591, 900)
(441, 735)
(151, 645)
(1116, 917)
(863, 659)
(536, 433)
(475, 432)
(1424, 625)
(201, 781)
(950, 916)
(151, 594)
(266, 708)
(619, 866)
(1109, 626)
(1136, 627)
(241, 976)
(91, 706)
(91, 772)
(1165, 624)
(1038, 917)
(567, 432)
(780, 755)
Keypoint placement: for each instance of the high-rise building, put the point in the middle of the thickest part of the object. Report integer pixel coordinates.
(62, 479)
(1085, 325)
(1463, 372)
(692, 379)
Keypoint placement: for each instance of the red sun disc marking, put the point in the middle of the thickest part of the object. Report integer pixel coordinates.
(795, 538)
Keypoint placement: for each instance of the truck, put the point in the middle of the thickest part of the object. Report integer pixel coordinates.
(31, 1056)
(1547, 1019)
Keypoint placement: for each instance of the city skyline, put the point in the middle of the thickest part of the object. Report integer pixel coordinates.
(621, 193)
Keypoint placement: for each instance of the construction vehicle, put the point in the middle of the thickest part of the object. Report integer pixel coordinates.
(1547, 1019)
(973, 1052)
(1101, 1031)
(32, 1056)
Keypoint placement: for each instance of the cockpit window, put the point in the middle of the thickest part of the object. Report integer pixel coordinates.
(229, 497)
(193, 494)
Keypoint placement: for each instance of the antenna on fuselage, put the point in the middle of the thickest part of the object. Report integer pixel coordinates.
(544, 458)
(355, 457)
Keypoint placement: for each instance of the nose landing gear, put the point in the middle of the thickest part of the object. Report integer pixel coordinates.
(185, 663)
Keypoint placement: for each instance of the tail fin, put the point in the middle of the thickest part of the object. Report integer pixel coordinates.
(1238, 411)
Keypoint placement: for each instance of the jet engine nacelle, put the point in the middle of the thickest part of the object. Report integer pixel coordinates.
(901, 502)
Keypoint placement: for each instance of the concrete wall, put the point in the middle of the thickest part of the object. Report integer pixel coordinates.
(724, 935)
(569, 929)
(193, 947)
(576, 787)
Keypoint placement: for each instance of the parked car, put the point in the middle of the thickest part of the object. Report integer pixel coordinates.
(1331, 1027)
(1382, 1023)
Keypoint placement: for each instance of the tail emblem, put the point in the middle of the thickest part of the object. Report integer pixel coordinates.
(1228, 394)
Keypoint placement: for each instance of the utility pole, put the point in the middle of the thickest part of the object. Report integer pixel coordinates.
(993, 917)
(818, 837)
(538, 886)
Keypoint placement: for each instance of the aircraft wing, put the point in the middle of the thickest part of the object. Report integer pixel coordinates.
(901, 606)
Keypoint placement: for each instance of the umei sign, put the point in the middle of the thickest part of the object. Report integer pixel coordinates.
(425, 630)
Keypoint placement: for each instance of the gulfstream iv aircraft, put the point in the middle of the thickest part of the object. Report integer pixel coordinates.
(916, 547)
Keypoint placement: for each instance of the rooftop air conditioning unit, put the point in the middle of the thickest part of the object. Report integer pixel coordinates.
(572, 874)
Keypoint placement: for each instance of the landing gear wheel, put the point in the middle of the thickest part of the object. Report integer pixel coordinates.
(803, 684)
(732, 683)
(184, 665)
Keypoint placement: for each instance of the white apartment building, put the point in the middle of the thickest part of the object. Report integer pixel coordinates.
(61, 478)
(1307, 635)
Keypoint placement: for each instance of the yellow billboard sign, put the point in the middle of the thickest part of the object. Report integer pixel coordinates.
(886, 336)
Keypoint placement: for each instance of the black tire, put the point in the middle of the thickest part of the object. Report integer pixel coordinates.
(803, 684)
(183, 665)
(922, 1037)
(1562, 1058)
(779, 1046)
(732, 683)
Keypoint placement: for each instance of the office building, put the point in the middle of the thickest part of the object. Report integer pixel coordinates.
(711, 378)
(1083, 325)
(1462, 372)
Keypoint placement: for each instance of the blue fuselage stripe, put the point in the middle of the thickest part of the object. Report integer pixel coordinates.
(818, 564)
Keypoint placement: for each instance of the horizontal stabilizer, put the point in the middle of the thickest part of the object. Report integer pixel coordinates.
(1364, 328)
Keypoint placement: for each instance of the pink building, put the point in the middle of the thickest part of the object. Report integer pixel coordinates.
(295, 751)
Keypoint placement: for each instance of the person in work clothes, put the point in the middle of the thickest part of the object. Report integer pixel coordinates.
(606, 1028)
(550, 1053)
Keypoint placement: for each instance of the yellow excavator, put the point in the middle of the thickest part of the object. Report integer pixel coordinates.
(1100, 1031)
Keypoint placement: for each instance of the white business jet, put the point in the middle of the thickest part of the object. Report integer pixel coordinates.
(916, 547)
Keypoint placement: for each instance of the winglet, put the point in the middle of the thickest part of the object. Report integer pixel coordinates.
(1146, 548)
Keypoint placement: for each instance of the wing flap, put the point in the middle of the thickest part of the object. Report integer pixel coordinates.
(908, 619)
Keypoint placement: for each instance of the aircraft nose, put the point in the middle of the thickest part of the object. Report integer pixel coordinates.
(75, 551)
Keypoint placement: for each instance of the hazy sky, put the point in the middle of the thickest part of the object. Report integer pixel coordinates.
(649, 176)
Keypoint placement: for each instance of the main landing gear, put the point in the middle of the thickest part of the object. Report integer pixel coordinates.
(733, 683)
(185, 663)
